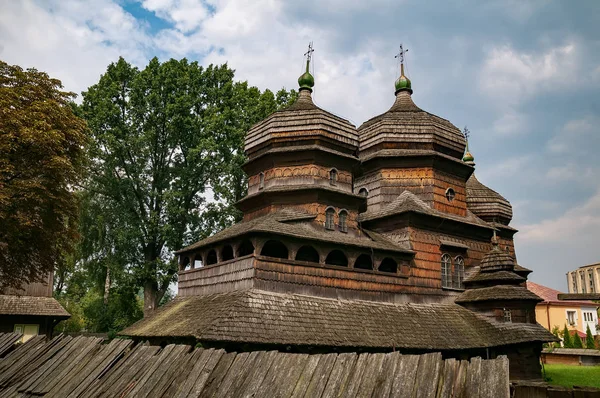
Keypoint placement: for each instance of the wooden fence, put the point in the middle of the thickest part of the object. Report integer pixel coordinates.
(89, 367)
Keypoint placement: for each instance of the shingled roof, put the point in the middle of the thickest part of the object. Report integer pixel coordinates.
(409, 202)
(299, 224)
(405, 122)
(30, 305)
(261, 317)
(487, 203)
(550, 295)
(301, 119)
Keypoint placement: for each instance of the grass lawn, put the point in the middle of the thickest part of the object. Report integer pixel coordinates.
(568, 375)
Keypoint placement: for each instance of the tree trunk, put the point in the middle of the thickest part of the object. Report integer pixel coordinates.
(150, 297)
(106, 285)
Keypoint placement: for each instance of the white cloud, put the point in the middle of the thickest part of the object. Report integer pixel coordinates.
(186, 15)
(575, 135)
(579, 225)
(510, 123)
(570, 172)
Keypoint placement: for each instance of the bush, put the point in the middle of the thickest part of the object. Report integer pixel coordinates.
(577, 343)
(567, 342)
(589, 339)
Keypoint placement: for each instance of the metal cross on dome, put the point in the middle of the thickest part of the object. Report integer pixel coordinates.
(401, 54)
(466, 133)
(308, 54)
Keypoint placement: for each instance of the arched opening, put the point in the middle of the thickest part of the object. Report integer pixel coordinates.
(185, 264)
(261, 180)
(329, 213)
(363, 262)
(333, 176)
(245, 248)
(363, 192)
(388, 265)
(227, 253)
(307, 253)
(274, 248)
(211, 257)
(459, 272)
(336, 257)
(198, 262)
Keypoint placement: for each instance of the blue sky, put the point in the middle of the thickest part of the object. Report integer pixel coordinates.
(523, 75)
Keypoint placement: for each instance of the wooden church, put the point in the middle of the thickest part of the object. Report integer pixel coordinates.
(377, 238)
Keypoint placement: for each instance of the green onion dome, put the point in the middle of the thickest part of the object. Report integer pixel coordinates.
(403, 82)
(306, 81)
(468, 158)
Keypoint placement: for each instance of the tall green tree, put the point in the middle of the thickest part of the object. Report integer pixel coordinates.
(577, 343)
(567, 341)
(166, 153)
(41, 161)
(589, 339)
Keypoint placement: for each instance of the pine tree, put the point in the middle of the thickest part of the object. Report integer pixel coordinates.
(589, 339)
(567, 342)
(577, 343)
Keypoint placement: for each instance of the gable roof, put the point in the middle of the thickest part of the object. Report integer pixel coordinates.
(550, 295)
(32, 306)
(261, 317)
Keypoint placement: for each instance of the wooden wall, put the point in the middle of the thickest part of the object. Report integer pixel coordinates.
(38, 289)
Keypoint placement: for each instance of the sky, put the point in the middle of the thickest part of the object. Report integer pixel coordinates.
(524, 76)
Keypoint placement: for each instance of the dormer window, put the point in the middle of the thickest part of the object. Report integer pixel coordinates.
(343, 215)
(261, 180)
(333, 176)
(450, 194)
(329, 213)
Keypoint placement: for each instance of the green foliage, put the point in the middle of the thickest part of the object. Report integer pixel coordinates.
(41, 160)
(165, 140)
(589, 339)
(569, 375)
(567, 341)
(577, 343)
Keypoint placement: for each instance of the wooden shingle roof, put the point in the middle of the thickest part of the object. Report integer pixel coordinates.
(487, 203)
(30, 305)
(260, 317)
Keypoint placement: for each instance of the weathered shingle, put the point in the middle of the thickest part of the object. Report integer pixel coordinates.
(30, 305)
(262, 317)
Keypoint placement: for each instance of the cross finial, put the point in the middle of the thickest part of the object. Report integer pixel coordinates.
(401, 54)
(308, 54)
(466, 133)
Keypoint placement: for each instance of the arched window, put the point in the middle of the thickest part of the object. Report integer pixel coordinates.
(446, 271)
(198, 262)
(336, 257)
(363, 262)
(307, 253)
(459, 272)
(363, 192)
(245, 248)
(227, 253)
(261, 180)
(329, 213)
(274, 248)
(388, 265)
(211, 257)
(343, 216)
(333, 175)
(185, 264)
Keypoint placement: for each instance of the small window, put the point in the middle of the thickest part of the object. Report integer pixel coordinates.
(459, 272)
(363, 192)
(343, 215)
(261, 180)
(446, 271)
(574, 278)
(582, 276)
(333, 175)
(591, 278)
(450, 194)
(507, 315)
(571, 317)
(329, 213)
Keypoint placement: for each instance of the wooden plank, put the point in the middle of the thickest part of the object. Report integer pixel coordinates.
(305, 376)
(151, 371)
(205, 373)
(383, 385)
(254, 379)
(357, 375)
(494, 378)
(8, 341)
(427, 376)
(473, 378)
(187, 385)
(290, 379)
(24, 349)
(252, 361)
(460, 379)
(321, 375)
(183, 372)
(447, 376)
(268, 387)
(404, 379)
(217, 375)
(372, 371)
(238, 368)
(166, 373)
(340, 375)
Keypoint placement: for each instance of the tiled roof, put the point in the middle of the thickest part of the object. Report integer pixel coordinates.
(550, 295)
(262, 317)
(409, 202)
(30, 305)
(281, 223)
